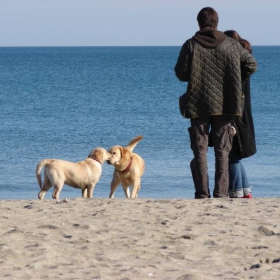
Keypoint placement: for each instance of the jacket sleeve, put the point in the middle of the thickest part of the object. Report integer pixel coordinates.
(182, 67)
(248, 64)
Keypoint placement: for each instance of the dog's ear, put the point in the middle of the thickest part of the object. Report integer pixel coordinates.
(95, 154)
(125, 153)
(91, 154)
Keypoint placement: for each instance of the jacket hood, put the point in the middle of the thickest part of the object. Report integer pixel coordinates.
(209, 38)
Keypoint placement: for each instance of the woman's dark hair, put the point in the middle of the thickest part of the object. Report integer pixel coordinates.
(233, 34)
(208, 17)
(244, 43)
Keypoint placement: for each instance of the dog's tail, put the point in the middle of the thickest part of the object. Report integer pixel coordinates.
(131, 145)
(39, 167)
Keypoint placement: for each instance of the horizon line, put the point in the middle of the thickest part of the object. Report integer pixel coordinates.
(108, 46)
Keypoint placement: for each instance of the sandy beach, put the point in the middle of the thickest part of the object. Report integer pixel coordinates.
(140, 239)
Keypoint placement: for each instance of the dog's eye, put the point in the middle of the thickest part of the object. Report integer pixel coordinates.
(114, 153)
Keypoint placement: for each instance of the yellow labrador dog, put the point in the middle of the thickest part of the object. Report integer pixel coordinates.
(82, 175)
(129, 168)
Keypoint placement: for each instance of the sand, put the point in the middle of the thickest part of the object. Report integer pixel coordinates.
(140, 239)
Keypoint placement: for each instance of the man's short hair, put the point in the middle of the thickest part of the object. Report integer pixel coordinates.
(208, 17)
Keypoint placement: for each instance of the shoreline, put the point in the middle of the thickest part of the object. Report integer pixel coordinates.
(143, 238)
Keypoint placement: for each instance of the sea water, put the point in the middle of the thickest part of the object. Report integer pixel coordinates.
(62, 102)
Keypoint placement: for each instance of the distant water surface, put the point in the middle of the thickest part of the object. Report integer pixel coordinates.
(63, 102)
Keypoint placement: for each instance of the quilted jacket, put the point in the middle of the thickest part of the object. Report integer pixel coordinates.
(214, 66)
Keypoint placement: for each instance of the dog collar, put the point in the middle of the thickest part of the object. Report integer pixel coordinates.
(127, 168)
(96, 160)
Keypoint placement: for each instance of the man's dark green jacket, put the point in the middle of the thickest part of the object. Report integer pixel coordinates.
(214, 66)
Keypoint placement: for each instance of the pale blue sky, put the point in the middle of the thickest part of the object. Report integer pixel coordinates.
(130, 22)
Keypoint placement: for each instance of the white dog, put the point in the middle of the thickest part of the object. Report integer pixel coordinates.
(82, 175)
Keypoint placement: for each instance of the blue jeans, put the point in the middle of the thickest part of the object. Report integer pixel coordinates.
(238, 181)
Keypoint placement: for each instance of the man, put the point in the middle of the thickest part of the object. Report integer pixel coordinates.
(214, 66)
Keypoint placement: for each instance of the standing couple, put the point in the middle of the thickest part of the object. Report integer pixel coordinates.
(217, 67)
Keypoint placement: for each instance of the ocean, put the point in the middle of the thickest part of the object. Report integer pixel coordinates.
(61, 102)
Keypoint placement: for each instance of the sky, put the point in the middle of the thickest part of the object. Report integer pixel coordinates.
(130, 22)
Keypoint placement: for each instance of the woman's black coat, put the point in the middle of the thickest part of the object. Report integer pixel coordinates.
(246, 127)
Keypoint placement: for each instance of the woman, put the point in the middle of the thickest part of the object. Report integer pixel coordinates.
(244, 145)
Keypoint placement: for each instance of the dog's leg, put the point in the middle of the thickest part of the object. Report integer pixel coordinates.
(46, 186)
(54, 192)
(114, 184)
(90, 190)
(113, 189)
(84, 193)
(126, 190)
(57, 190)
(139, 187)
(135, 188)
(137, 191)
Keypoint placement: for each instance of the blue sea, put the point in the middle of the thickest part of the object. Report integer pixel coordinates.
(62, 102)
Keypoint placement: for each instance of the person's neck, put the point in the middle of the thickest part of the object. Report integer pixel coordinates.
(207, 28)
